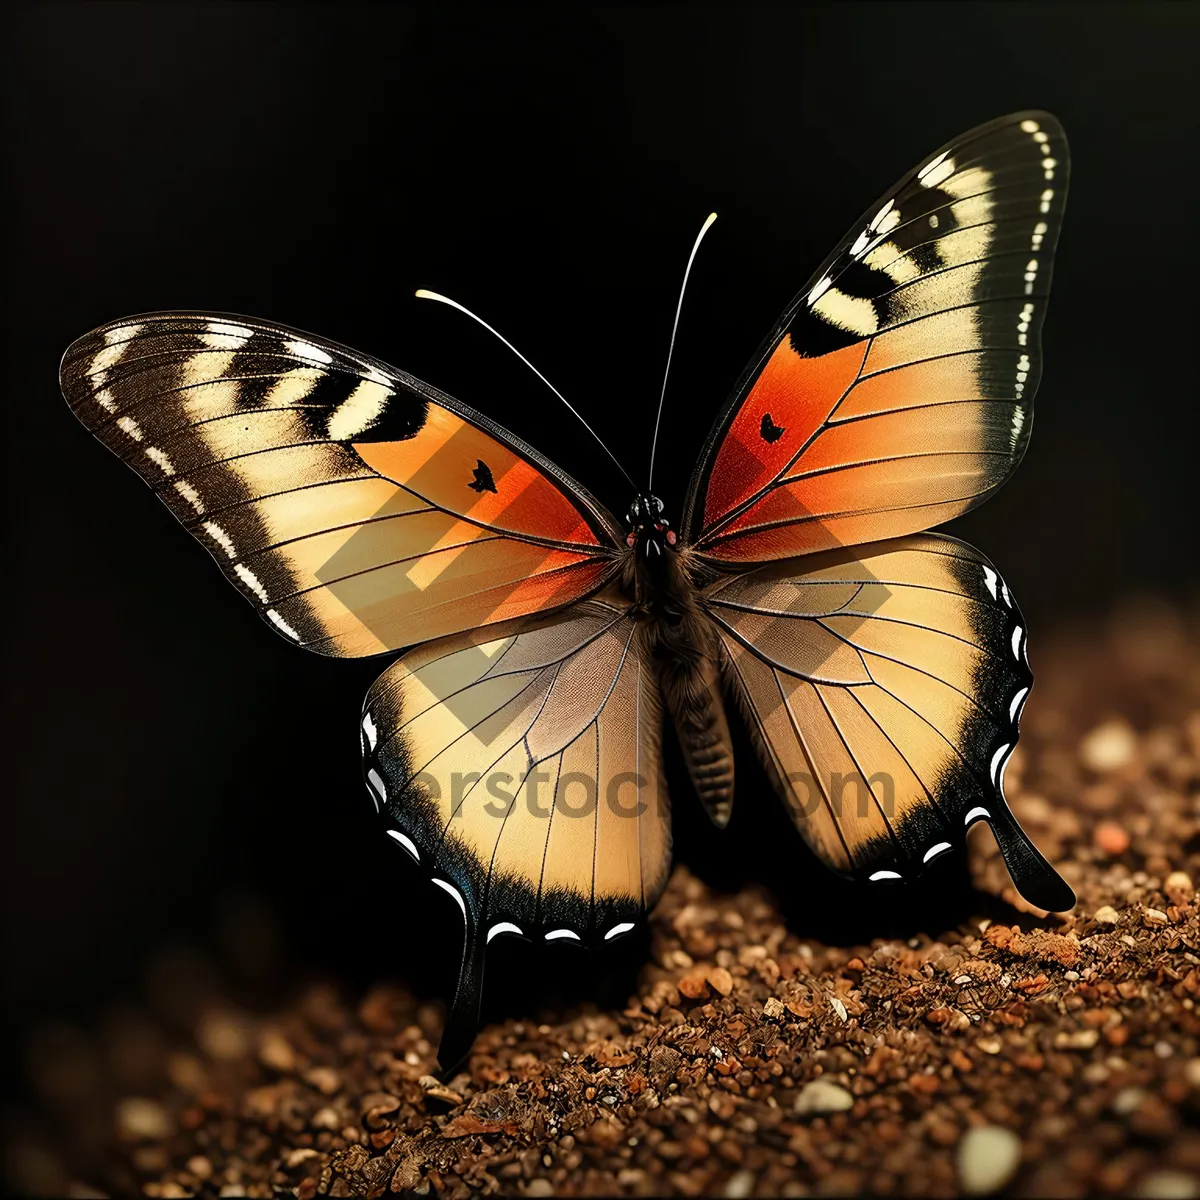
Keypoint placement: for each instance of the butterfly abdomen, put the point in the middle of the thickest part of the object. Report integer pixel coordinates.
(684, 645)
(695, 702)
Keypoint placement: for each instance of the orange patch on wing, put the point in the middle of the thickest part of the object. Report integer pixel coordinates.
(799, 394)
(439, 464)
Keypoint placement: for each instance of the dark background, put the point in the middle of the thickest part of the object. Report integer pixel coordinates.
(170, 765)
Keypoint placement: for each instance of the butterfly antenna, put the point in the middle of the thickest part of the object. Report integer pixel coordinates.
(674, 330)
(422, 294)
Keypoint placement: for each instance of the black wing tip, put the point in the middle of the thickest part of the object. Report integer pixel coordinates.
(1036, 880)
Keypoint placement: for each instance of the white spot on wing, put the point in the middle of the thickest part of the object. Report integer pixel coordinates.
(935, 850)
(368, 724)
(1015, 706)
(888, 257)
(878, 875)
(410, 846)
(222, 539)
(879, 217)
(190, 494)
(1018, 423)
(940, 166)
(975, 814)
(449, 887)
(557, 934)
(221, 335)
(997, 758)
(1031, 270)
(819, 289)
(1016, 642)
(105, 400)
(251, 580)
(855, 314)
(308, 351)
(358, 411)
(131, 427)
(990, 577)
(502, 927)
(377, 784)
(281, 624)
(155, 455)
(617, 930)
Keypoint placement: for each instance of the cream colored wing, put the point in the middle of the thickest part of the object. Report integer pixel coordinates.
(884, 688)
(521, 769)
(358, 509)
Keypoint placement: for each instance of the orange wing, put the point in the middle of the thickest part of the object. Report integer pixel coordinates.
(884, 689)
(357, 508)
(896, 392)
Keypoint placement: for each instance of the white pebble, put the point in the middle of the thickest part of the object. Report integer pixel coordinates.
(138, 1118)
(820, 1096)
(988, 1157)
(740, 1185)
(1108, 746)
(1127, 1100)
(1167, 1185)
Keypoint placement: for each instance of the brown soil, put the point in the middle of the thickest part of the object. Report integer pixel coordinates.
(1078, 1034)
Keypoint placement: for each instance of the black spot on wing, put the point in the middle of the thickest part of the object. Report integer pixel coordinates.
(483, 481)
(769, 430)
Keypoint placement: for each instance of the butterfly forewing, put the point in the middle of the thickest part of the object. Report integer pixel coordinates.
(896, 391)
(357, 508)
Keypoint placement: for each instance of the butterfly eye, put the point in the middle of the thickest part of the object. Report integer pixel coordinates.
(631, 539)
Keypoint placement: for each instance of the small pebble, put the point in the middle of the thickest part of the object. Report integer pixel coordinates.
(773, 1008)
(142, 1119)
(720, 980)
(820, 1096)
(740, 1185)
(1179, 883)
(1108, 746)
(199, 1166)
(1167, 1185)
(1127, 1100)
(1106, 915)
(1112, 838)
(988, 1157)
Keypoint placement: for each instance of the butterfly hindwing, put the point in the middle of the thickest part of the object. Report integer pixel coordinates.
(884, 690)
(357, 508)
(896, 391)
(521, 768)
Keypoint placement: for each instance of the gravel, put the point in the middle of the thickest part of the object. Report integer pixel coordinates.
(995, 1047)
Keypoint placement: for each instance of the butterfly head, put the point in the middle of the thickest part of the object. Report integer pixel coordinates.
(648, 528)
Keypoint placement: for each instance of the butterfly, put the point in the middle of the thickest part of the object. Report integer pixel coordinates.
(515, 753)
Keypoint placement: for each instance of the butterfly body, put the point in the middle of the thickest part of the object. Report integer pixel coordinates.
(513, 750)
(659, 578)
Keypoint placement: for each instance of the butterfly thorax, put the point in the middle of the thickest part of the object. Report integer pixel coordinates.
(681, 642)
